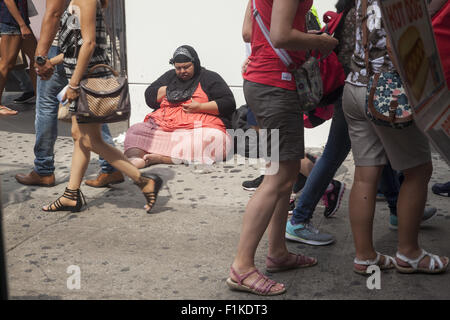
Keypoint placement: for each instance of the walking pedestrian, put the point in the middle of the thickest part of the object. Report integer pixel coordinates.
(407, 149)
(86, 16)
(16, 34)
(52, 79)
(271, 95)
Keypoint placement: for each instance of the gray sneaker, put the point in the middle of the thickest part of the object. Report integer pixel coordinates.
(428, 213)
(307, 233)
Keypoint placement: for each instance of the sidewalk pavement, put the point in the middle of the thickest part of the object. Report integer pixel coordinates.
(184, 249)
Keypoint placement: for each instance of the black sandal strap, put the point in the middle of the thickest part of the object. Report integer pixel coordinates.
(150, 197)
(73, 195)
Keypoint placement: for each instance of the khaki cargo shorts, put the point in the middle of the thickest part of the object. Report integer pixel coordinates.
(373, 145)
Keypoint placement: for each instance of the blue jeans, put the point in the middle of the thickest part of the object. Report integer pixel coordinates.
(336, 150)
(389, 185)
(46, 122)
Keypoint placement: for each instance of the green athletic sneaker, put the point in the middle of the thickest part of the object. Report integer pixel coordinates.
(307, 233)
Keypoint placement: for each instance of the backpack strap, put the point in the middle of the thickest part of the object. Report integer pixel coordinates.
(282, 54)
(365, 37)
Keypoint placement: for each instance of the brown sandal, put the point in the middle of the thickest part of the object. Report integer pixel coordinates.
(151, 196)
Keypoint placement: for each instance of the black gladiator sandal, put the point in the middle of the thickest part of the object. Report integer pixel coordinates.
(151, 196)
(75, 195)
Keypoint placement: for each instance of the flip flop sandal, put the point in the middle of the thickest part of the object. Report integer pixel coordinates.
(263, 289)
(279, 265)
(389, 263)
(5, 111)
(414, 264)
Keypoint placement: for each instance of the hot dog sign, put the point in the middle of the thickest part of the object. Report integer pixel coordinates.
(409, 27)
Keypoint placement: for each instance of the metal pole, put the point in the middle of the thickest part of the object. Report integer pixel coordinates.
(3, 277)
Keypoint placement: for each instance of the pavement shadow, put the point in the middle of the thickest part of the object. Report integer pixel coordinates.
(24, 121)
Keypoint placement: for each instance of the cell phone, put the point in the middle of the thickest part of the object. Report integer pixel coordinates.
(61, 95)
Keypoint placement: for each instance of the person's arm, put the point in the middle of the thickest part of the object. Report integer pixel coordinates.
(283, 35)
(50, 25)
(247, 25)
(88, 10)
(57, 59)
(12, 8)
(156, 92)
(221, 99)
(210, 107)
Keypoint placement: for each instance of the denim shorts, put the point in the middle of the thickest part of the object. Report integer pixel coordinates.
(9, 30)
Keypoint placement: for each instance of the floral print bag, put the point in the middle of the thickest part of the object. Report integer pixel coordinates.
(386, 100)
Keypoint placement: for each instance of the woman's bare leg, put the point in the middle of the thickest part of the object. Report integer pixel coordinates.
(9, 48)
(87, 138)
(91, 133)
(141, 159)
(266, 206)
(153, 158)
(410, 206)
(29, 48)
(306, 166)
(136, 157)
(362, 208)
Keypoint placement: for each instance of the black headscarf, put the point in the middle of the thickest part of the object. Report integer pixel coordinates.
(179, 90)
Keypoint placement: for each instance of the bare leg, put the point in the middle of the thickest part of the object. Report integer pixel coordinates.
(306, 166)
(277, 228)
(87, 138)
(268, 205)
(29, 48)
(410, 205)
(152, 158)
(9, 48)
(136, 157)
(362, 209)
(141, 159)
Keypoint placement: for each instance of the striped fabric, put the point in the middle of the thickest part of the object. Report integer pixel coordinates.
(70, 41)
(199, 145)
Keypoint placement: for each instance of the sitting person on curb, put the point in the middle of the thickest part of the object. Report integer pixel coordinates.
(193, 108)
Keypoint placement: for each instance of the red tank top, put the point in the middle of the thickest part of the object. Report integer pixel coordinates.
(265, 66)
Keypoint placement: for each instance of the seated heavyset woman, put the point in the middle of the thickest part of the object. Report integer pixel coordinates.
(193, 108)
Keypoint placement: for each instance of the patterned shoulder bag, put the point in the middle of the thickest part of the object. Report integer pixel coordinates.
(102, 99)
(386, 100)
(307, 76)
